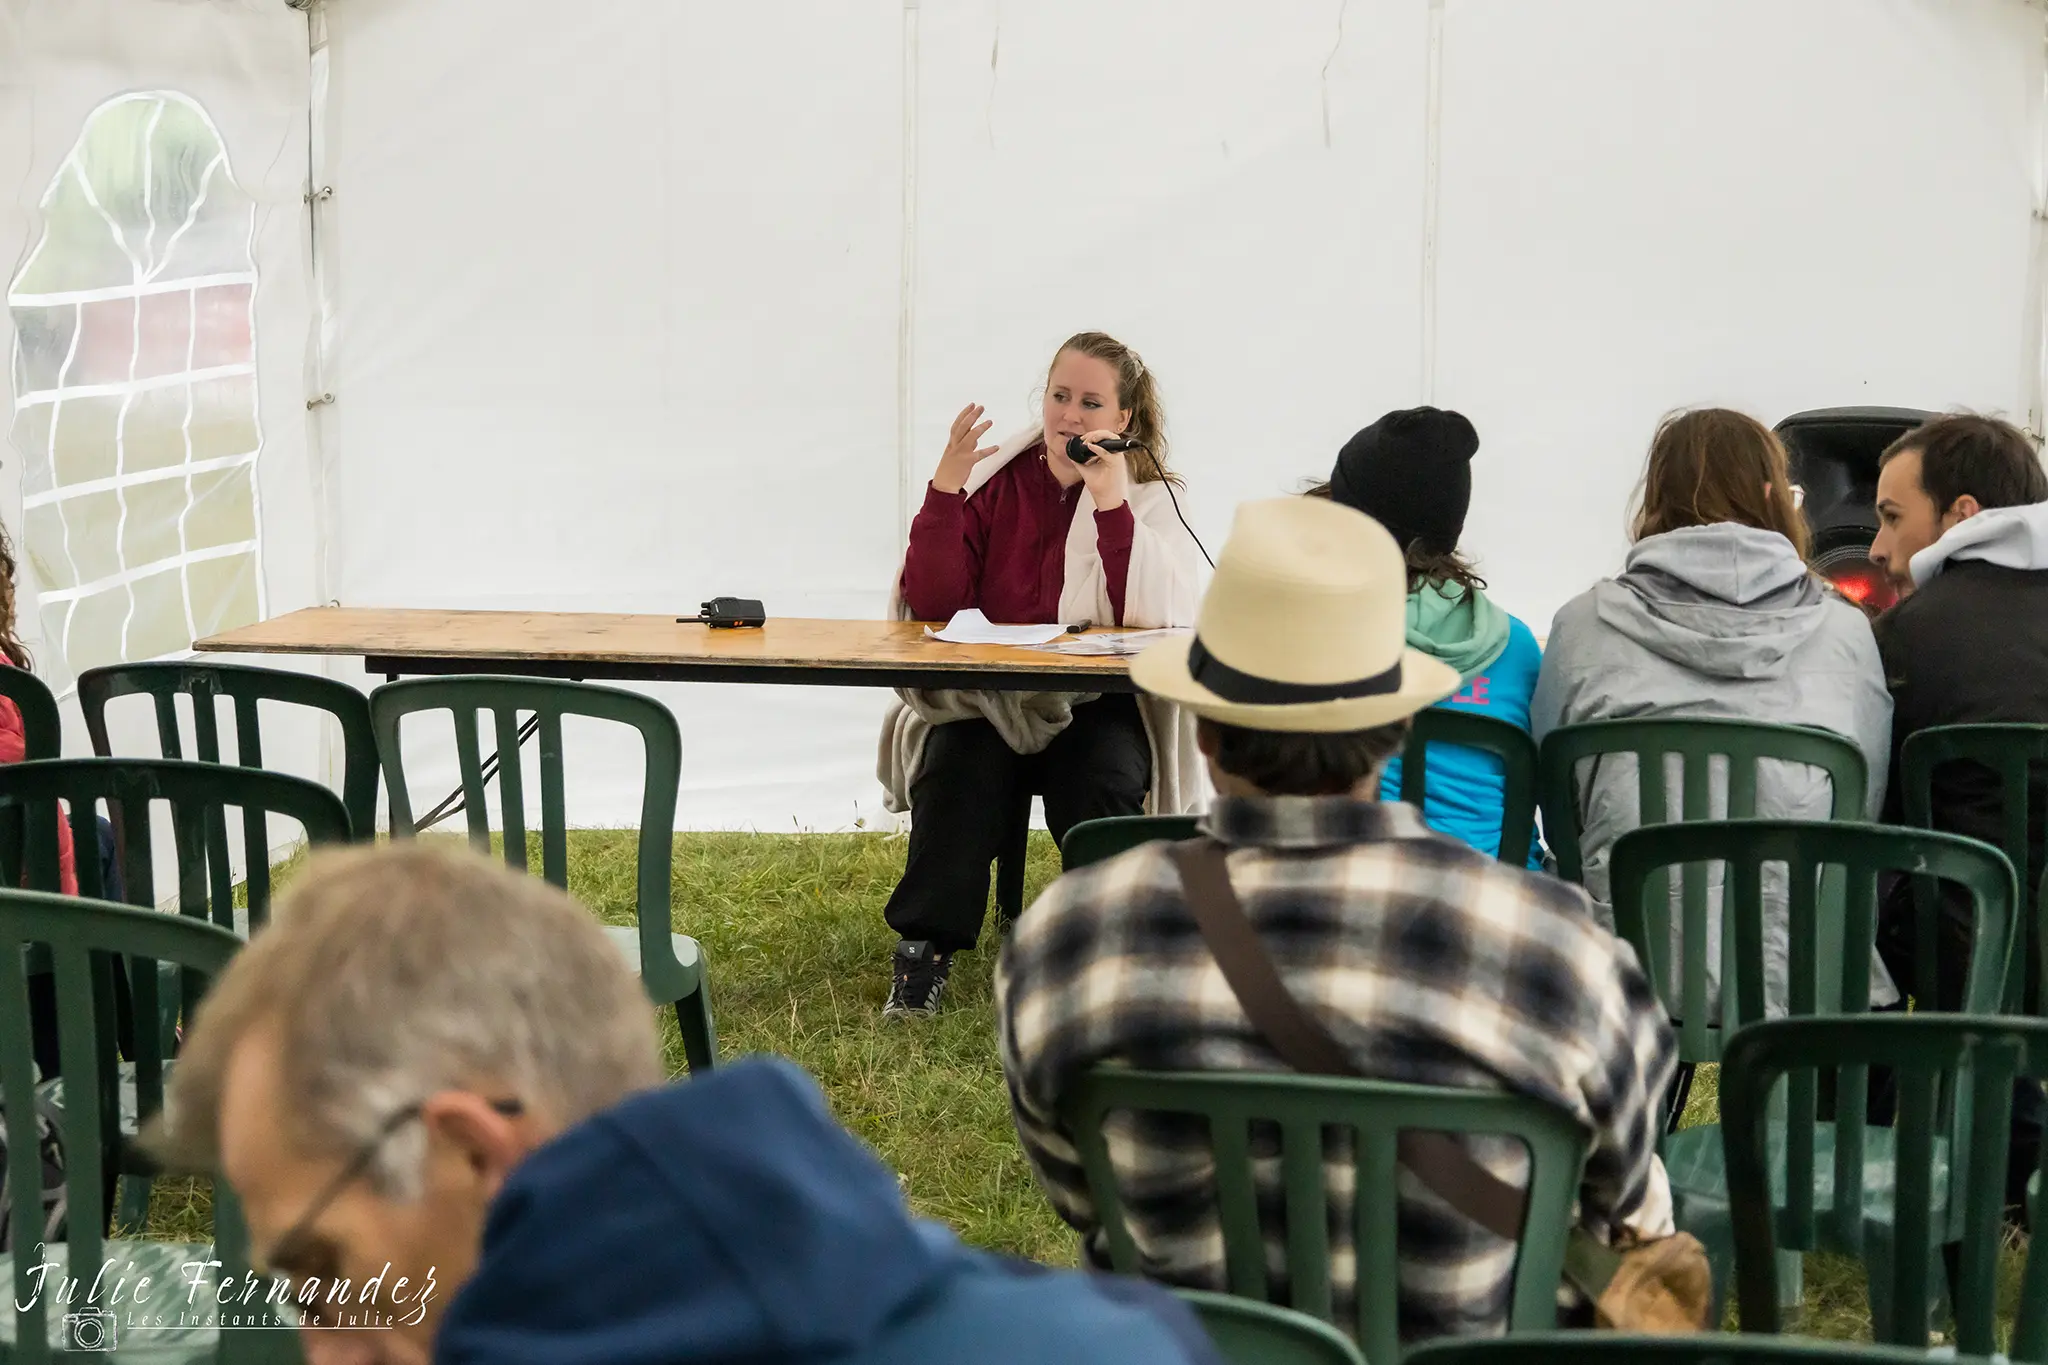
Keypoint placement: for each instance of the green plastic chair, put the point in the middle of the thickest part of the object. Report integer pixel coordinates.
(1830, 937)
(2007, 751)
(1696, 743)
(1947, 1161)
(42, 727)
(246, 687)
(199, 796)
(1829, 943)
(1301, 1109)
(671, 965)
(1509, 743)
(1248, 1333)
(82, 940)
(1616, 1348)
(1094, 841)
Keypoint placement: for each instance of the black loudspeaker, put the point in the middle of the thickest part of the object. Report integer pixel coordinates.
(1834, 455)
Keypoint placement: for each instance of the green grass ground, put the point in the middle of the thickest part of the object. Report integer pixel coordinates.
(792, 930)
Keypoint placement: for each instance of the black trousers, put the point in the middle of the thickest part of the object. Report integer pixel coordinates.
(971, 790)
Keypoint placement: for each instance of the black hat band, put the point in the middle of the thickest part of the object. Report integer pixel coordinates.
(1247, 689)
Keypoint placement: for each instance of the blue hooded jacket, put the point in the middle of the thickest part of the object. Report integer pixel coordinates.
(1497, 659)
(731, 1219)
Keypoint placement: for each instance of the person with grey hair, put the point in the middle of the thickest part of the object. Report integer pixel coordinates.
(438, 1091)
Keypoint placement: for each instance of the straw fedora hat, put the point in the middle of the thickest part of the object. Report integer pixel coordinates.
(1304, 628)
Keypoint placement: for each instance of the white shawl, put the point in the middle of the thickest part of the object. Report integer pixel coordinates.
(1162, 588)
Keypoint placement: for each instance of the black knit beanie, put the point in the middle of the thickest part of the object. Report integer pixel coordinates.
(1411, 471)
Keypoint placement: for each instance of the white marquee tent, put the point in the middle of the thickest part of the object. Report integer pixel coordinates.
(625, 304)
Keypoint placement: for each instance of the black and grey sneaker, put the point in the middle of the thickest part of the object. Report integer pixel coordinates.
(918, 979)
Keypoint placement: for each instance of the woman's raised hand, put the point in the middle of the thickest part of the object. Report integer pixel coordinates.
(962, 452)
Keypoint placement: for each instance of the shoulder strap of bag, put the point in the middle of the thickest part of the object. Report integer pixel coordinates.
(1292, 1032)
(1437, 1160)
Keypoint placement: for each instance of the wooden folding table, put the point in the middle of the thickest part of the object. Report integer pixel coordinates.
(603, 646)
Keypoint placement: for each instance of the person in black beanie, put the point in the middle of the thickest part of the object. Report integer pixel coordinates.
(1411, 471)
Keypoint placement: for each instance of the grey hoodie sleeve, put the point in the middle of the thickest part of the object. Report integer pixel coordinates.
(1870, 703)
(1556, 678)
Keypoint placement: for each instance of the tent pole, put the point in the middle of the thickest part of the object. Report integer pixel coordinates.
(1433, 122)
(906, 302)
(320, 438)
(2034, 350)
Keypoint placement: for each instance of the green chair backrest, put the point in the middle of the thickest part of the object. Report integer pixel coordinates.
(1302, 1109)
(548, 701)
(1509, 743)
(1616, 1348)
(2010, 753)
(246, 687)
(198, 794)
(42, 728)
(1743, 744)
(1248, 1333)
(80, 940)
(1955, 1075)
(1093, 841)
(1815, 924)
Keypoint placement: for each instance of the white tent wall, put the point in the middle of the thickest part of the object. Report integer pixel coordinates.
(1766, 205)
(617, 313)
(245, 63)
(1235, 190)
(642, 302)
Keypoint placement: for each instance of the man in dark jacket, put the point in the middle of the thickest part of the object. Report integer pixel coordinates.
(1962, 503)
(437, 1087)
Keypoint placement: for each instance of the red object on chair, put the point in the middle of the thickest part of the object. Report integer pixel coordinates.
(13, 749)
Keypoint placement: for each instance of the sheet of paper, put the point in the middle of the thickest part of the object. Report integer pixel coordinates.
(1111, 644)
(970, 627)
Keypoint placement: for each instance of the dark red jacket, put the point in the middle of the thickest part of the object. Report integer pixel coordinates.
(1004, 550)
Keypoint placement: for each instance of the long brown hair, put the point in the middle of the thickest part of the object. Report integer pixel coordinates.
(1436, 570)
(1714, 465)
(10, 639)
(1137, 393)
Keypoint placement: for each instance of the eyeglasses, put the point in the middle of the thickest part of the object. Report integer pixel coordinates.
(283, 1250)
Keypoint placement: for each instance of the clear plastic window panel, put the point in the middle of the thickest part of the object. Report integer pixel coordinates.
(135, 391)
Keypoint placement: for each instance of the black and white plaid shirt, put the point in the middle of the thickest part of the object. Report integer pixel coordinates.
(1432, 963)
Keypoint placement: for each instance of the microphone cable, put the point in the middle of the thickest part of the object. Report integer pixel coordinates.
(1184, 521)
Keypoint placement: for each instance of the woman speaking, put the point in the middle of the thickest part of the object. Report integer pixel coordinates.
(1028, 535)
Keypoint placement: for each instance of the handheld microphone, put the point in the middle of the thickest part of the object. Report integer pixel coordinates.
(1079, 453)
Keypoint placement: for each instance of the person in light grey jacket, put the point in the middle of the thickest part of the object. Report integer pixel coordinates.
(1716, 615)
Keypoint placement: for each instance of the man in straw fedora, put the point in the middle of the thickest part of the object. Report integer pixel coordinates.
(1415, 957)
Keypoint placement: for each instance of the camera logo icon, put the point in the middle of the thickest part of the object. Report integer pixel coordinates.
(92, 1331)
